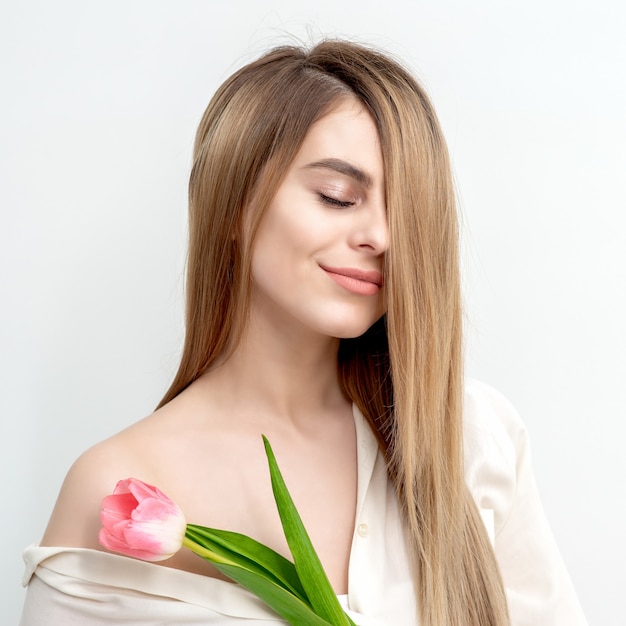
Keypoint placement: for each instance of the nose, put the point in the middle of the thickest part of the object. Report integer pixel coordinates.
(371, 231)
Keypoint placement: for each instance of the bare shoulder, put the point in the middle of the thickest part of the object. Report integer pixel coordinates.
(158, 449)
(75, 520)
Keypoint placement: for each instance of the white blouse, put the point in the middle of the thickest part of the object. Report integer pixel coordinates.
(81, 587)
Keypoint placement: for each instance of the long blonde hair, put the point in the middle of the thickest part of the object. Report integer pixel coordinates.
(405, 373)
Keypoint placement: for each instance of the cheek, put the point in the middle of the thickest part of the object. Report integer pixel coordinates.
(275, 252)
(288, 234)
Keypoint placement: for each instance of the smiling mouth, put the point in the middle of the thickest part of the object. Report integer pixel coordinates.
(362, 282)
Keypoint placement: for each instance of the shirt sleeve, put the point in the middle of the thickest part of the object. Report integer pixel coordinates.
(47, 606)
(500, 477)
(82, 587)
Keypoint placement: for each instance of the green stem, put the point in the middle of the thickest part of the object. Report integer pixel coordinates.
(205, 553)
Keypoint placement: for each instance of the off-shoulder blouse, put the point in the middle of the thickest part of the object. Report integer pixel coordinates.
(82, 587)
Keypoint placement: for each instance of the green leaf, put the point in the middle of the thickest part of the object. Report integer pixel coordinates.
(288, 606)
(307, 563)
(249, 554)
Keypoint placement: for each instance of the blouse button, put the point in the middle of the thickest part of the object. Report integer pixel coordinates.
(363, 530)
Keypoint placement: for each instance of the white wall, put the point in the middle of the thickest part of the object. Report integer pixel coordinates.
(99, 106)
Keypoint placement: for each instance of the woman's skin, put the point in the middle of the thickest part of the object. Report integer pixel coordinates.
(316, 271)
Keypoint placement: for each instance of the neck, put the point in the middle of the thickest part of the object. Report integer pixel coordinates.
(282, 372)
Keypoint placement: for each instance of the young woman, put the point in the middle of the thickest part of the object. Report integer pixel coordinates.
(323, 310)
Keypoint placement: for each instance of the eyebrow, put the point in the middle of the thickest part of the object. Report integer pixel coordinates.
(343, 167)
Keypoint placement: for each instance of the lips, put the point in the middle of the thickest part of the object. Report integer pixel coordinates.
(362, 282)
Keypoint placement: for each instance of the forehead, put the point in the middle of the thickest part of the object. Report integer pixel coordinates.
(347, 133)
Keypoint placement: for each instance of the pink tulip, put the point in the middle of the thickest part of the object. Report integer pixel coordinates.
(140, 521)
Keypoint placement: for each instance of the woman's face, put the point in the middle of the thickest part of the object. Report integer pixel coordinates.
(317, 259)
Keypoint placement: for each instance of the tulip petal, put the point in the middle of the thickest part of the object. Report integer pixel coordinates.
(141, 521)
(121, 504)
(153, 509)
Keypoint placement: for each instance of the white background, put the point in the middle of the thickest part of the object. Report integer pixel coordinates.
(99, 106)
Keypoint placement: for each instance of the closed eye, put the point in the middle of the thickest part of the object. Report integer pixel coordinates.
(335, 202)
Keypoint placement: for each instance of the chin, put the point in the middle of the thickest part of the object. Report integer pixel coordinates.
(352, 329)
(349, 334)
